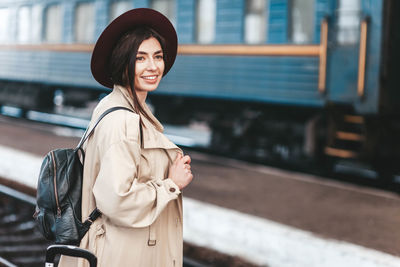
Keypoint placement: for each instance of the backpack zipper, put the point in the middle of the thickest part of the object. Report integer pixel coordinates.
(55, 184)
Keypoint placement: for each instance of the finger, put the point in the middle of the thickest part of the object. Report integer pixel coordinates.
(186, 159)
(178, 157)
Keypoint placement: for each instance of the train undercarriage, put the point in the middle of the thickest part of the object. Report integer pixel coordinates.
(299, 138)
(311, 139)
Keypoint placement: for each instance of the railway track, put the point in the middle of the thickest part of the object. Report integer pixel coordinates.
(21, 243)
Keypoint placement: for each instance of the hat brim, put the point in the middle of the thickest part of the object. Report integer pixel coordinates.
(122, 24)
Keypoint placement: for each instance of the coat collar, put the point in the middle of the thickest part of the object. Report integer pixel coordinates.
(153, 136)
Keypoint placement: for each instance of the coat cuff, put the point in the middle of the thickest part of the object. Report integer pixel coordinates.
(171, 187)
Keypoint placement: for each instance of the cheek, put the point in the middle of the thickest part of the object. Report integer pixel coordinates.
(162, 66)
(137, 71)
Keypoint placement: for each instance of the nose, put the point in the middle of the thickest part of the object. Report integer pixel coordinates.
(151, 64)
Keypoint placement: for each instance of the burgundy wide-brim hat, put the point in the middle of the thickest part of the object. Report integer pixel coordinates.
(122, 24)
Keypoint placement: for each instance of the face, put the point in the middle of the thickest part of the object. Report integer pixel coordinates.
(149, 66)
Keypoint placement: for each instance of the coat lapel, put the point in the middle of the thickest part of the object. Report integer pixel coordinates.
(153, 136)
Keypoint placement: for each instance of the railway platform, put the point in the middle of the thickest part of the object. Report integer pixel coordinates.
(267, 216)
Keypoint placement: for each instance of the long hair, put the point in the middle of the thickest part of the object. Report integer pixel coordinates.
(123, 59)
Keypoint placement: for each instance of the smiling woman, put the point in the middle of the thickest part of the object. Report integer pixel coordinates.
(132, 173)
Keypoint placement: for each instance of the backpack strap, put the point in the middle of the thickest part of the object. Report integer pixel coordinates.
(96, 213)
(86, 135)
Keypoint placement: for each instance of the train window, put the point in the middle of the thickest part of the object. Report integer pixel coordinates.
(36, 24)
(301, 21)
(206, 17)
(255, 24)
(119, 7)
(348, 21)
(24, 23)
(84, 22)
(4, 25)
(166, 7)
(53, 24)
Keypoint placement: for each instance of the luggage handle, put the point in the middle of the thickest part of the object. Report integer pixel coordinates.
(67, 250)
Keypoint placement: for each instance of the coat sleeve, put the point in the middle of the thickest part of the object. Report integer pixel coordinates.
(119, 195)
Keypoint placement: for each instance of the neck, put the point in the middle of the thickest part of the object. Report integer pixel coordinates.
(141, 97)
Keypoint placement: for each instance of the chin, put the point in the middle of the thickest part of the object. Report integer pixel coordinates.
(151, 88)
(146, 88)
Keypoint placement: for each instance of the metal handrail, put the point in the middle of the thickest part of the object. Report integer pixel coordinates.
(362, 57)
(322, 56)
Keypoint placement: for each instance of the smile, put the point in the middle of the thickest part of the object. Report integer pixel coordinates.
(150, 77)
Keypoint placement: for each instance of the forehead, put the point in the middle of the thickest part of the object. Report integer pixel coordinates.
(150, 45)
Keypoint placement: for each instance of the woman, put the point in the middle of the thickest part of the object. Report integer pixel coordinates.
(132, 173)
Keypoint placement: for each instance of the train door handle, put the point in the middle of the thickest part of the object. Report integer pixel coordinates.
(362, 56)
(323, 47)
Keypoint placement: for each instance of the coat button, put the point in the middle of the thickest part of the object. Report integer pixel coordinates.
(172, 189)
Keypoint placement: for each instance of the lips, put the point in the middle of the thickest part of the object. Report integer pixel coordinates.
(150, 79)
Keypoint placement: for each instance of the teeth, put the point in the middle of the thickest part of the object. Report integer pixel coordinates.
(149, 77)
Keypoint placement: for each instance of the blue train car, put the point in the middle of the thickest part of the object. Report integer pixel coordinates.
(274, 79)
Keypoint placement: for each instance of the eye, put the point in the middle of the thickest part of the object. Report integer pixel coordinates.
(140, 58)
(159, 57)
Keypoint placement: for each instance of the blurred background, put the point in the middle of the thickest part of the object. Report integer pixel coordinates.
(289, 108)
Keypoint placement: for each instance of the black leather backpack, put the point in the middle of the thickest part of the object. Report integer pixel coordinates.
(59, 193)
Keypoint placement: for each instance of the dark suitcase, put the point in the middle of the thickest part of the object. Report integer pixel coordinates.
(67, 250)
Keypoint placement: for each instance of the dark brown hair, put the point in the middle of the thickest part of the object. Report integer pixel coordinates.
(123, 58)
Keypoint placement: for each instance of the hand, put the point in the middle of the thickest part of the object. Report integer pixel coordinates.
(180, 171)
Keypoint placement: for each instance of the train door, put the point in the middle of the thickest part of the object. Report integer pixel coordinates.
(354, 54)
(354, 80)
(343, 51)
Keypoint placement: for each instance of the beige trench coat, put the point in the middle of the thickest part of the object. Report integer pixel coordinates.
(141, 223)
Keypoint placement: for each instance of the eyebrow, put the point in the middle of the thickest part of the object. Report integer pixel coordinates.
(144, 53)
